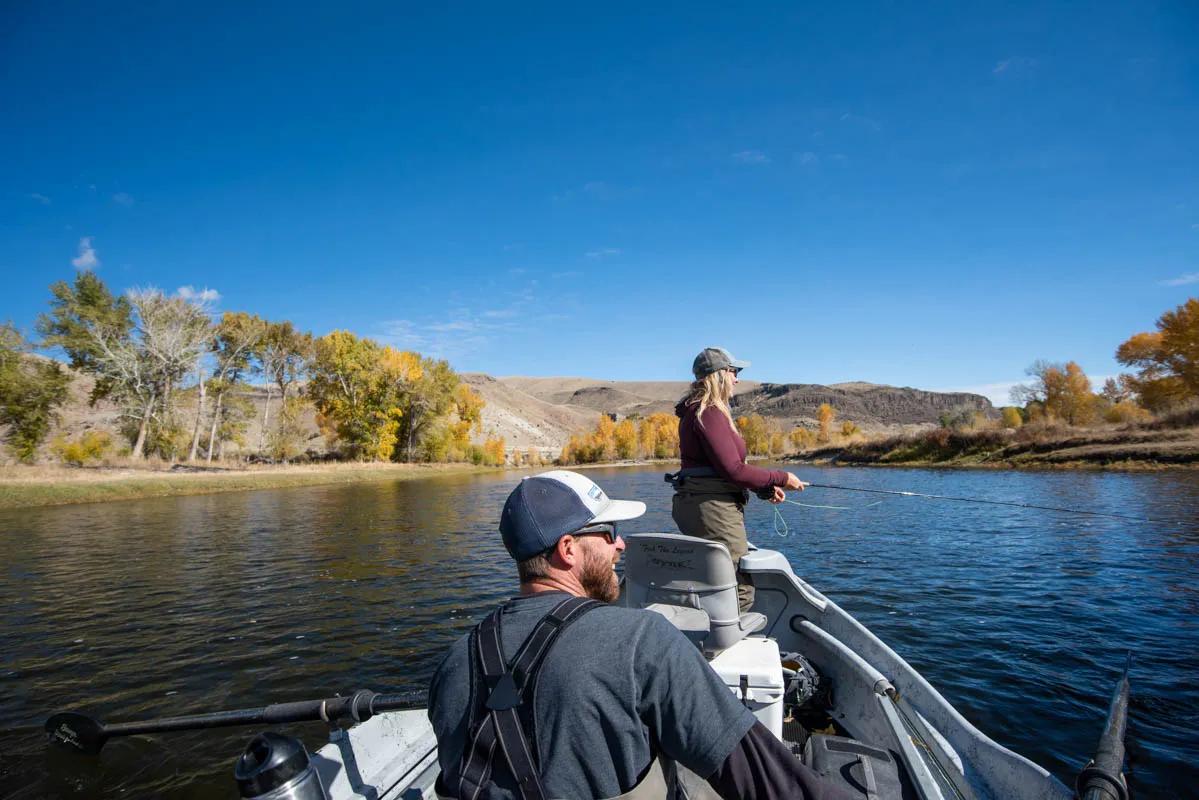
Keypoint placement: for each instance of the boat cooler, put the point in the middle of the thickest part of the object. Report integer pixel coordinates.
(753, 671)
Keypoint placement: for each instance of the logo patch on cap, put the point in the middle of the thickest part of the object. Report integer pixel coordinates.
(596, 493)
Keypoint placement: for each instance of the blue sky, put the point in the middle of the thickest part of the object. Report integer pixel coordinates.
(931, 195)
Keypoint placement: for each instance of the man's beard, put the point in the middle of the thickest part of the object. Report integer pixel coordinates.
(598, 578)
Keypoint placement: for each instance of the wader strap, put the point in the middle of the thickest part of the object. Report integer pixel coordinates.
(677, 479)
(497, 721)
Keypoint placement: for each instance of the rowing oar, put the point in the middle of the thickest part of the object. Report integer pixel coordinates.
(990, 502)
(87, 735)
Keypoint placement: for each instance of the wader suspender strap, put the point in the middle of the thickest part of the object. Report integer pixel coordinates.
(498, 720)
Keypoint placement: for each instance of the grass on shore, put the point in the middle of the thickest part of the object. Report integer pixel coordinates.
(22, 486)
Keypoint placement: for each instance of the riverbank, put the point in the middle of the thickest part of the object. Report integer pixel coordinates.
(23, 487)
(1114, 449)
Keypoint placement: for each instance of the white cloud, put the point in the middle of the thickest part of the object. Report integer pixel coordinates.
(570, 273)
(808, 159)
(603, 252)
(1182, 280)
(203, 296)
(751, 157)
(41, 198)
(87, 258)
(123, 199)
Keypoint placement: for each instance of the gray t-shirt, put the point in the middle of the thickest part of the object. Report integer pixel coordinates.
(619, 686)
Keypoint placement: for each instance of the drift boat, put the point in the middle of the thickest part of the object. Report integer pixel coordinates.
(801, 663)
(847, 704)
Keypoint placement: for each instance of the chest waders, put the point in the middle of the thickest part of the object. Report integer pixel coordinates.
(505, 717)
(709, 506)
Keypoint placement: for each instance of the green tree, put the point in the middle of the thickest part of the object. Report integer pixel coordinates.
(283, 355)
(31, 391)
(82, 315)
(426, 402)
(232, 348)
(358, 389)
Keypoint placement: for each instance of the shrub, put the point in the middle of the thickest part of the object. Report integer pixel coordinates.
(1012, 418)
(90, 446)
(1126, 411)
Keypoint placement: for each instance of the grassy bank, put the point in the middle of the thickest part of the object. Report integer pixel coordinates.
(1134, 447)
(48, 486)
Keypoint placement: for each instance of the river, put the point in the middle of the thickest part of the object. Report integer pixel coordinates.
(182, 605)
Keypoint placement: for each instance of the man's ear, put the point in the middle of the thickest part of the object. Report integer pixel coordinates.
(567, 551)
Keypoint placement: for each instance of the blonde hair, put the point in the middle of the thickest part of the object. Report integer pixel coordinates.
(713, 390)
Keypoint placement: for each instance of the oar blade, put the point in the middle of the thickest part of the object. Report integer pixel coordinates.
(76, 731)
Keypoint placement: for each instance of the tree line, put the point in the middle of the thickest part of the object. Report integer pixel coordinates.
(657, 437)
(179, 378)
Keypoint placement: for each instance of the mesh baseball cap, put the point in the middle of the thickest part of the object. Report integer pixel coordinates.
(544, 508)
(714, 359)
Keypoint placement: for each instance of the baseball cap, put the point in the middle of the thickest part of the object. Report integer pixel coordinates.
(544, 508)
(714, 359)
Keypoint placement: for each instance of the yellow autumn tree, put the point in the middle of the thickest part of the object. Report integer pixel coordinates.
(604, 438)
(1062, 392)
(1166, 360)
(625, 437)
(646, 438)
(494, 451)
(357, 387)
(754, 431)
(824, 418)
(801, 438)
(665, 435)
(1012, 418)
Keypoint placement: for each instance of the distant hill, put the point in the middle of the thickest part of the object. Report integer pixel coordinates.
(544, 412)
(867, 404)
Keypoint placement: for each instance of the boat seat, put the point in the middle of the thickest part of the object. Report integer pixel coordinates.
(693, 583)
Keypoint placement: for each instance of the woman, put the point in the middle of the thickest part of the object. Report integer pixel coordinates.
(713, 486)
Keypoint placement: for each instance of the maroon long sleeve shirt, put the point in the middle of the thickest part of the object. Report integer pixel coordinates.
(718, 445)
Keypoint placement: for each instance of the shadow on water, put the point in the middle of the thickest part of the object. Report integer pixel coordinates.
(182, 605)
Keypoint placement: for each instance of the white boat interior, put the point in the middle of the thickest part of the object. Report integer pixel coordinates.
(848, 705)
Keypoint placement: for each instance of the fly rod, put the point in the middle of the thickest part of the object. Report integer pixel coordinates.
(987, 502)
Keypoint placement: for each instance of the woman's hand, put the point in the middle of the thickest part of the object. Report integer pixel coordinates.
(794, 482)
(778, 496)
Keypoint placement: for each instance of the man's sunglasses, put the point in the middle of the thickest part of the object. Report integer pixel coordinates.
(606, 529)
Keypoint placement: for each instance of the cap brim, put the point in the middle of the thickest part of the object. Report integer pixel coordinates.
(618, 510)
(739, 364)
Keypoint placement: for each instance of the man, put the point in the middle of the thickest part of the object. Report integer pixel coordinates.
(555, 695)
